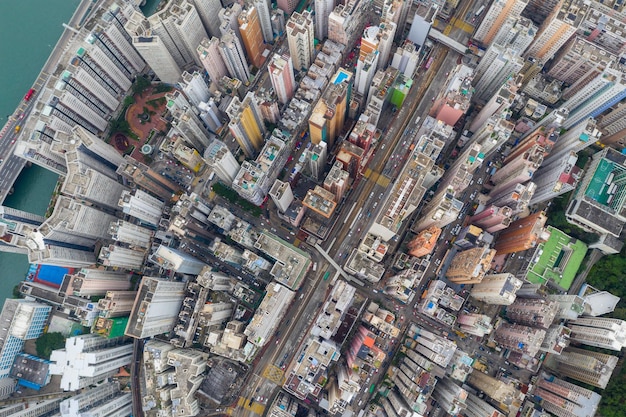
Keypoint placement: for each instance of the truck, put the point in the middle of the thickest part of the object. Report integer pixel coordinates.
(29, 94)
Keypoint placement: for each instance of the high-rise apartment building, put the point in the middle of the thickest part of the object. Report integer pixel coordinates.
(406, 59)
(209, 52)
(88, 359)
(287, 6)
(498, 289)
(593, 368)
(557, 178)
(557, 29)
(574, 140)
(519, 338)
(480, 408)
(579, 61)
(599, 199)
(518, 170)
(147, 179)
(208, 10)
(450, 396)
(564, 399)
(323, 8)
(471, 265)
(594, 98)
(516, 34)
(168, 39)
(75, 224)
(156, 307)
(300, 37)
(498, 104)
(533, 312)
(493, 218)
(95, 282)
(280, 70)
(105, 399)
(328, 116)
(497, 66)
(263, 10)
(229, 19)
(233, 56)
(346, 21)
(221, 160)
(246, 124)
(22, 320)
(116, 303)
(522, 234)
(500, 391)
(252, 35)
(496, 17)
(142, 206)
(176, 260)
(282, 195)
(440, 212)
(195, 87)
(599, 332)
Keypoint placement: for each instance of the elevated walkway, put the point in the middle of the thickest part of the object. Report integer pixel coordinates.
(446, 40)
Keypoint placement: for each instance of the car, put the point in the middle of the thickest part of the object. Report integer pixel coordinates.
(479, 181)
(432, 99)
(438, 262)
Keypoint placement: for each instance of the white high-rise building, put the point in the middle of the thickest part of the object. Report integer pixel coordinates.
(323, 8)
(152, 49)
(516, 34)
(88, 359)
(265, 19)
(599, 332)
(281, 195)
(365, 70)
(300, 37)
(498, 289)
(574, 140)
(179, 27)
(156, 307)
(142, 206)
(497, 66)
(234, 58)
(556, 29)
(406, 59)
(176, 260)
(599, 95)
(104, 400)
(556, 178)
(496, 18)
(208, 10)
(221, 160)
(194, 87)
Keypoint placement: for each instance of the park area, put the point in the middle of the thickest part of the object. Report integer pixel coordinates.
(140, 122)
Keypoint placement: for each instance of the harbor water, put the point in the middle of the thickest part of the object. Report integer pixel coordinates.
(29, 29)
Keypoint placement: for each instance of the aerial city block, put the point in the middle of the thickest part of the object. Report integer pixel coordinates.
(367, 208)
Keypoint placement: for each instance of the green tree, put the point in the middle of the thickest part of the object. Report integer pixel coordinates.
(16, 292)
(48, 342)
(140, 84)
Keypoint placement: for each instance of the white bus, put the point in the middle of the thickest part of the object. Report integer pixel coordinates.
(479, 11)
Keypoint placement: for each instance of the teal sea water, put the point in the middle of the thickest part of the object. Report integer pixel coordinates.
(29, 29)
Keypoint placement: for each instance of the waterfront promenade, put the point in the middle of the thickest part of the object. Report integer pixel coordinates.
(11, 165)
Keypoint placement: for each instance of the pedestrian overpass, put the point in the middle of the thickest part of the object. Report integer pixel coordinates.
(447, 41)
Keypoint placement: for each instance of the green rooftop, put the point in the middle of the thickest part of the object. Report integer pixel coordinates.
(559, 259)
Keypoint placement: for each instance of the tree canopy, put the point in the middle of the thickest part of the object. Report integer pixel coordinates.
(48, 342)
